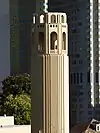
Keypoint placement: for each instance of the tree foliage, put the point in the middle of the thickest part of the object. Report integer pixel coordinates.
(16, 85)
(15, 98)
(19, 107)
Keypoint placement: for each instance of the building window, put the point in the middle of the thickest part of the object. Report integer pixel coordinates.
(41, 18)
(77, 78)
(53, 19)
(64, 41)
(34, 19)
(53, 40)
(81, 77)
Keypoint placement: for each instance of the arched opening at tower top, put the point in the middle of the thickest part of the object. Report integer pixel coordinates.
(53, 18)
(42, 18)
(53, 40)
(64, 41)
(34, 19)
(41, 41)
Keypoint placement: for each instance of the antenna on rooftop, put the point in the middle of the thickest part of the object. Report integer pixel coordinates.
(41, 6)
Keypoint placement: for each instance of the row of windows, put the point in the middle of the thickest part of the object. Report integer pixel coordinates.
(54, 19)
(75, 106)
(53, 41)
(76, 78)
(77, 62)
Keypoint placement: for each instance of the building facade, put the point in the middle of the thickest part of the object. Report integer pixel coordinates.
(84, 30)
(15, 129)
(50, 72)
(15, 36)
(20, 13)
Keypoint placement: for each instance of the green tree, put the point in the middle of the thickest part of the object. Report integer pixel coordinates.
(15, 98)
(16, 85)
(18, 106)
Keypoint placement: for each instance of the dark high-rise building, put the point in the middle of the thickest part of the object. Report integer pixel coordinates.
(84, 54)
(20, 31)
(15, 39)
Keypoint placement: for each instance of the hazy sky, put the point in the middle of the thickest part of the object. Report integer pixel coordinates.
(4, 6)
(4, 39)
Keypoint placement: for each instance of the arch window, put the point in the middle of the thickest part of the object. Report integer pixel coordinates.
(64, 41)
(41, 18)
(34, 19)
(53, 19)
(62, 19)
(41, 41)
(53, 40)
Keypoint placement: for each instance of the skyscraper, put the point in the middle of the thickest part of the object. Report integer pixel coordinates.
(15, 36)
(84, 34)
(50, 72)
(20, 33)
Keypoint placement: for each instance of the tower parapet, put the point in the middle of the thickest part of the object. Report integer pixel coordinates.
(51, 32)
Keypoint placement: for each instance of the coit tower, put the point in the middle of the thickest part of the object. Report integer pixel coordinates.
(50, 71)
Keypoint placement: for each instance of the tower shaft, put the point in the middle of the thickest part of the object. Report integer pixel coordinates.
(54, 90)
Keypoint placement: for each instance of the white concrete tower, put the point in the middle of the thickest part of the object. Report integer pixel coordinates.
(50, 73)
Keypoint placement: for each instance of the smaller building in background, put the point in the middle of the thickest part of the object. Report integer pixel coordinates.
(7, 126)
(15, 129)
(6, 120)
(92, 127)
